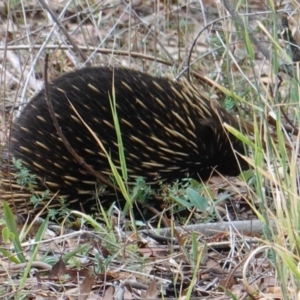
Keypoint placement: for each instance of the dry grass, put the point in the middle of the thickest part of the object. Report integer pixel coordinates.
(157, 37)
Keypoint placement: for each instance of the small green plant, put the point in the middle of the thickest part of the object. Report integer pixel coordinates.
(60, 210)
(28, 181)
(23, 176)
(187, 195)
(11, 233)
(141, 191)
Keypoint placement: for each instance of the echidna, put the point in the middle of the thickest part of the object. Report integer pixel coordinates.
(169, 130)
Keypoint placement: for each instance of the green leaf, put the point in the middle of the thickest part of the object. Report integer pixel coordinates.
(196, 199)
(7, 235)
(11, 224)
(181, 201)
(38, 238)
(9, 256)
